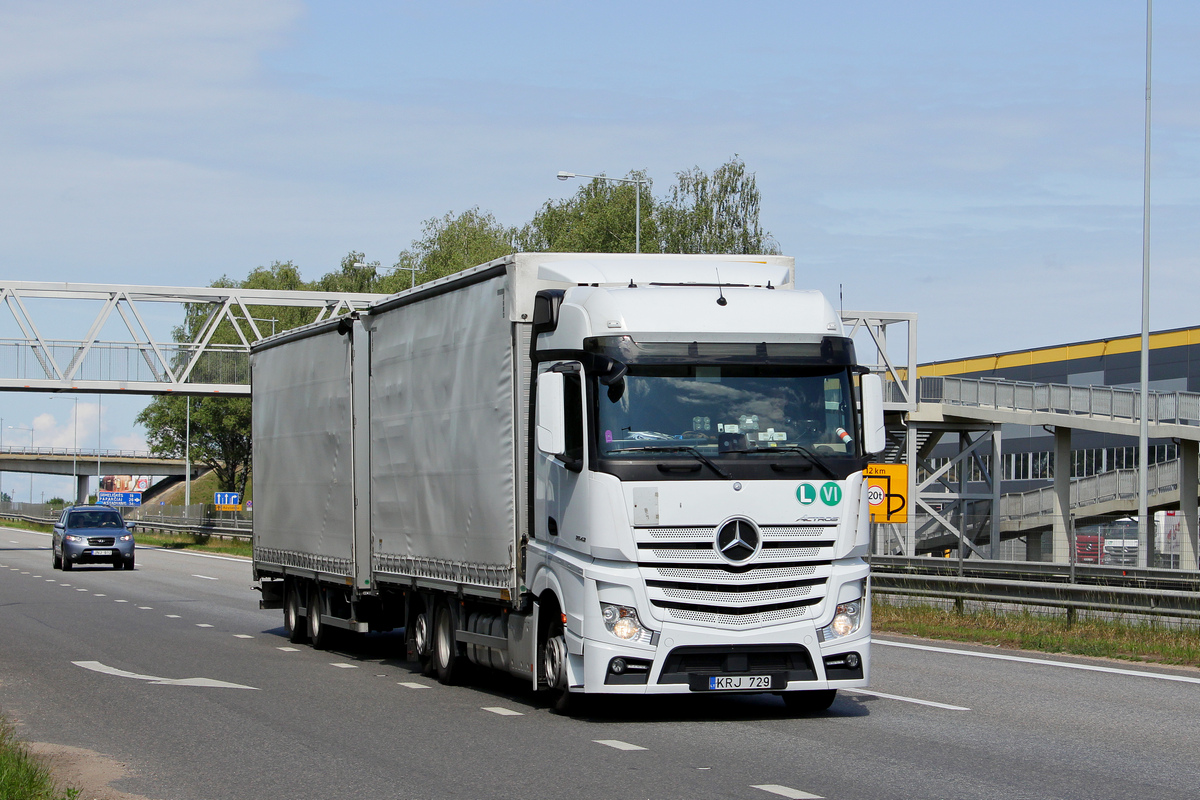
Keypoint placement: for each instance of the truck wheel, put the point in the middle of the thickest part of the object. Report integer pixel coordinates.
(809, 702)
(445, 647)
(293, 623)
(318, 631)
(422, 643)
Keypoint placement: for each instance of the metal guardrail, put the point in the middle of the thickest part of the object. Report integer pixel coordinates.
(1116, 590)
(234, 529)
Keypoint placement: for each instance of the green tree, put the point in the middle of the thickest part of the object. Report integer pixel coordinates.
(220, 434)
(601, 217)
(714, 214)
(450, 244)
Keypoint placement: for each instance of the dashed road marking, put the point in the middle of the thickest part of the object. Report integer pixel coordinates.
(120, 601)
(206, 577)
(171, 616)
(342, 665)
(289, 649)
(26, 573)
(96, 666)
(99, 595)
(617, 744)
(81, 590)
(242, 636)
(64, 584)
(502, 711)
(414, 685)
(146, 608)
(786, 791)
(203, 625)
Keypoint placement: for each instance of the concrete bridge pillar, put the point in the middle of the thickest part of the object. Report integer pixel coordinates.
(1189, 453)
(81, 489)
(1060, 545)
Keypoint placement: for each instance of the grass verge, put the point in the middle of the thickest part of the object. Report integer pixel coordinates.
(22, 775)
(1048, 633)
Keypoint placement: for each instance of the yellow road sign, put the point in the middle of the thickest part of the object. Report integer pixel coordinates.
(887, 492)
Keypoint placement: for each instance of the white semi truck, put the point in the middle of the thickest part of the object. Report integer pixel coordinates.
(606, 474)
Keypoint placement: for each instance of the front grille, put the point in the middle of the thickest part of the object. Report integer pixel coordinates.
(792, 661)
(101, 541)
(689, 581)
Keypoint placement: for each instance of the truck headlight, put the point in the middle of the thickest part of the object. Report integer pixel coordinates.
(847, 619)
(623, 622)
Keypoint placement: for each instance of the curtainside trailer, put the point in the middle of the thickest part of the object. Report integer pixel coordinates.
(603, 473)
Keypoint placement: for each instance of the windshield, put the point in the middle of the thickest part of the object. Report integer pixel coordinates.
(726, 409)
(93, 519)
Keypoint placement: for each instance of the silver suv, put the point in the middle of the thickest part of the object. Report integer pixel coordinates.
(92, 534)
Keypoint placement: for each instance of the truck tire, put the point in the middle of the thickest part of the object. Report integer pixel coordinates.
(318, 632)
(294, 624)
(445, 646)
(809, 702)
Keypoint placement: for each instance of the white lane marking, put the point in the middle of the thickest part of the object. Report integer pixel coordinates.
(617, 744)
(50, 580)
(190, 553)
(64, 584)
(171, 616)
(242, 636)
(146, 608)
(907, 699)
(120, 601)
(206, 577)
(203, 625)
(502, 711)
(289, 649)
(786, 791)
(1043, 662)
(26, 573)
(100, 595)
(81, 590)
(96, 666)
(342, 665)
(37, 576)
(414, 685)
(13, 542)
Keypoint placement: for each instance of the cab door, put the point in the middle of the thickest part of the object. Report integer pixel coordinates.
(560, 482)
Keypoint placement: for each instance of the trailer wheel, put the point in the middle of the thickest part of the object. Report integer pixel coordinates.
(318, 631)
(809, 702)
(422, 642)
(445, 647)
(293, 622)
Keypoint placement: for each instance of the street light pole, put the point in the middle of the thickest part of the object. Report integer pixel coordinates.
(637, 241)
(23, 428)
(1145, 540)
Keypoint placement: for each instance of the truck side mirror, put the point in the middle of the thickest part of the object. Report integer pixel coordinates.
(874, 435)
(551, 414)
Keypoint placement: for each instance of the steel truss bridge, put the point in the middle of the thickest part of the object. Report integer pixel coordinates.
(121, 353)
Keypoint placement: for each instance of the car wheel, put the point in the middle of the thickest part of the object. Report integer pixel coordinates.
(57, 558)
(129, 563)
(293, 622)
(318, 631)
(66, 562)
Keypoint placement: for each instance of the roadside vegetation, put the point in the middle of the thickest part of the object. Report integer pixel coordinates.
(23, 776)
(187, 541)
(1047, 633)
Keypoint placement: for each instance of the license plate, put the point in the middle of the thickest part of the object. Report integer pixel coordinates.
(100, 552)
(719, 683)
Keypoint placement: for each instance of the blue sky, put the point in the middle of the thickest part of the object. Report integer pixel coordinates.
(980, 164)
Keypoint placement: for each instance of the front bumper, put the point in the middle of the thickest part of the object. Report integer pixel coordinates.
(87, 553)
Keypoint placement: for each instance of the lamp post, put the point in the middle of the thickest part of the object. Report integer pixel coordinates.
(637, 241)
(75, 452)
(23, 428)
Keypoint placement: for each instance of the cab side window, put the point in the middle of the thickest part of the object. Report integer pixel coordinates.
(573, 391)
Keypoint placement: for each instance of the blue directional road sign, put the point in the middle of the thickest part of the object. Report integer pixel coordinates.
(123, 499)
(227, 499)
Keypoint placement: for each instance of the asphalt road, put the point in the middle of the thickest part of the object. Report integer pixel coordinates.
(173, 669)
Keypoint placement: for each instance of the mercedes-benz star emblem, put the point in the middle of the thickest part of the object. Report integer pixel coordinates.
(737, 541)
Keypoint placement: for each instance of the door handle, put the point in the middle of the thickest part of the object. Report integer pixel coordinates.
(551, 526)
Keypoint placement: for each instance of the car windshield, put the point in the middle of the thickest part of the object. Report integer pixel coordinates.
(743, 408)
(94, 519)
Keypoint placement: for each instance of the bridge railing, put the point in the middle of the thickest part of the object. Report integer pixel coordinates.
(1118, 484)
(17, 450)
(1104, 402)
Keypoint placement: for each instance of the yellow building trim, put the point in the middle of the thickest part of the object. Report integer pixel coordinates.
(1069, 352)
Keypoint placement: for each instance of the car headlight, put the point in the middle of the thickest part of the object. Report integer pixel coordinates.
(70, 537)
(623, 622)
(847, 619)
(127, 538)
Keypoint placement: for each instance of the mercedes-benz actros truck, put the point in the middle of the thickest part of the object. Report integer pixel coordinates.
(603, 473)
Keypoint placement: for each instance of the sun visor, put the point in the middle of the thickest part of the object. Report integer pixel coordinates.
(644, 270)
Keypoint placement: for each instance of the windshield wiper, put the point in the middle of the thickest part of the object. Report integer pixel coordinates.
(679, 448)
(812, 457)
